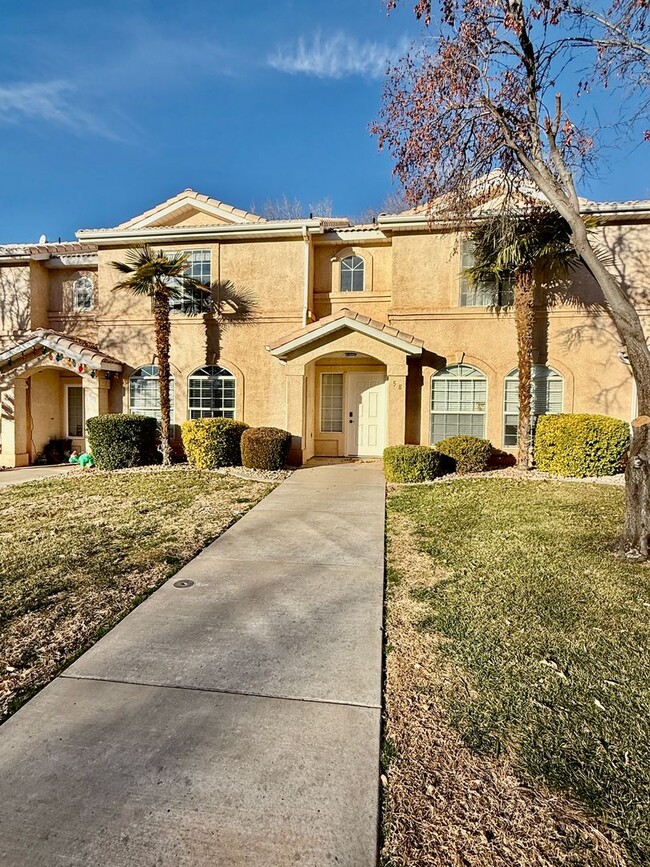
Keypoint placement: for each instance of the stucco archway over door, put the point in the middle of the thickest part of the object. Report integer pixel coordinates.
(346, 334)
(36, 374)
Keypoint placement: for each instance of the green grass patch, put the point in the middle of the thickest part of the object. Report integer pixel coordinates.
(78, 553)
(548, 634)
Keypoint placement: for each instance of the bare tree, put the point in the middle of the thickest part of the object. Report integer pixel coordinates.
(483, 94)
(285, 208)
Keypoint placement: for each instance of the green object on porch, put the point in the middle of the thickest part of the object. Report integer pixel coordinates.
(84, 460)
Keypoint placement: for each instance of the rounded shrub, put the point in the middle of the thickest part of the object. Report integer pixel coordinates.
(465, 454)
(265, 448)
(411, 464)
(120, 440)
(580, 444)
(213, 442)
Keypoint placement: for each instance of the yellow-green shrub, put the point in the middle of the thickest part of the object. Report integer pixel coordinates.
(213, 442)
(411, 464)
(466, 454)
(579, 444)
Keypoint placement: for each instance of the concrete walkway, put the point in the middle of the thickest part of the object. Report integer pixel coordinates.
(234, 721)
(20, 475)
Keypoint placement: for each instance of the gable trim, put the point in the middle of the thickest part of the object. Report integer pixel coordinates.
(354, 325)
(188, 201)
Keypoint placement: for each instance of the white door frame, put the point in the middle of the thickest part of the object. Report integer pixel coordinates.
(351, 448)
(67, 434)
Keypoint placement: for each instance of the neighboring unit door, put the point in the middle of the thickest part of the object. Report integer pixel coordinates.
(366, 423)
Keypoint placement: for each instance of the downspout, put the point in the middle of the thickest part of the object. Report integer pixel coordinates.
(307, 263)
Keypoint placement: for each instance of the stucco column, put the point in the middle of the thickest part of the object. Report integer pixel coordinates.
(95, 393)
(296, 392)
(14, 425)
(396, 404)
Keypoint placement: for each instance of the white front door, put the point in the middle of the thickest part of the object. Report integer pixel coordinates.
(366, 422)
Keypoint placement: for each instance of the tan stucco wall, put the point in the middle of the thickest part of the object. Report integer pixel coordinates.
(374, 301)
(46, 405)
(14, 302)
(412, 283)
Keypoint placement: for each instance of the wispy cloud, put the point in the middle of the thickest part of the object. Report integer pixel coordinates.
(53, 102)
(336, 56)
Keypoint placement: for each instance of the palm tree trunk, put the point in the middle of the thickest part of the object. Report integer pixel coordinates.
(162, 327)
(525, 324)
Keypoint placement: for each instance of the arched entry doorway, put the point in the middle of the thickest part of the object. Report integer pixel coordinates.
(350, 406)
(370, 362)
(49, 386)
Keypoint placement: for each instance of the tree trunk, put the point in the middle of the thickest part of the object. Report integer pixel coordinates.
(634, 542)
(525, 324)
(634, 539)
(161, 319)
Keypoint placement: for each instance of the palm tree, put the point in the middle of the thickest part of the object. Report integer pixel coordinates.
(162, 276)
(512, 249)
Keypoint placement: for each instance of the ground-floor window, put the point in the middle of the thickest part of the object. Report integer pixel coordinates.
(144, 392)
(212, 393)
(547, 397)
(331, 402)
(458, 402)
(75, 410)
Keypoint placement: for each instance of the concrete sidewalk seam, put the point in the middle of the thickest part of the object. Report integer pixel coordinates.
(157, 685)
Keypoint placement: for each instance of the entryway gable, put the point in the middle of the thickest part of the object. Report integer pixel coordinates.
(326, 329)
(50, 384)
(60, 349)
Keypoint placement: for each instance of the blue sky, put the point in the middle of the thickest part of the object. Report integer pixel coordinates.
(107, 109)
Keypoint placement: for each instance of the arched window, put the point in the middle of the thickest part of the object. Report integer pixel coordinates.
(212, 393)
(352, 274)
(547, 397)
(82, 294)
(144, 392)
(458, 402)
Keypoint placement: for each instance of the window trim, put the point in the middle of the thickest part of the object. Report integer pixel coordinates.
(172, 393)
(368, 265)
(464, 288)
(193, 375)
(66, 409)
(76, 291)
(357, 265)
(323, 374)
(481, 377)
(183, 310)
(513, 376)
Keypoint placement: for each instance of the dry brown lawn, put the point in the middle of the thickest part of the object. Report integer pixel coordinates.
(77, 554)
(450, 800)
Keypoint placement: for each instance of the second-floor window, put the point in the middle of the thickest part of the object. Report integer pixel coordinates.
(352, 274)
(493, 293)
(194, 300)
(82, 294)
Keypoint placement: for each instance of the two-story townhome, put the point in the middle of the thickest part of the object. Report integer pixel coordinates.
(361, 336)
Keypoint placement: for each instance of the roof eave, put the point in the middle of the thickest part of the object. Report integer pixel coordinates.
(235, 231)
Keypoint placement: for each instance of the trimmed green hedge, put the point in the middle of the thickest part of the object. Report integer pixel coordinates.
(411, 464)
(580, 444)
(466, 454)
(265, 448)
(213, 442)
(120, 440)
